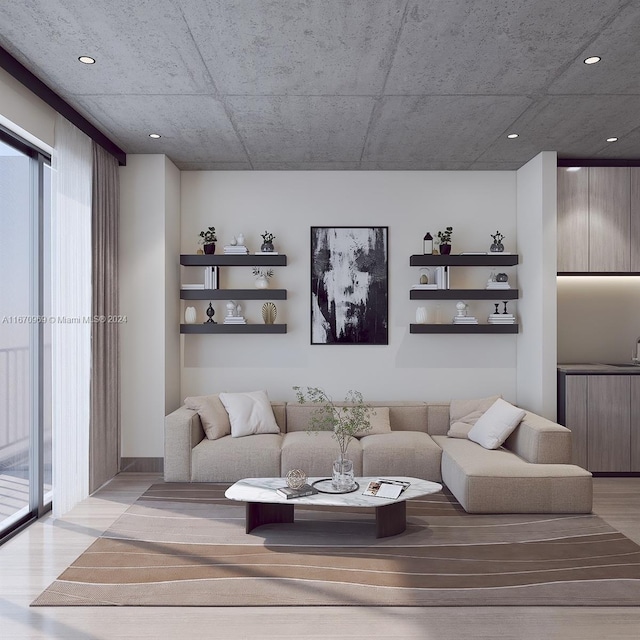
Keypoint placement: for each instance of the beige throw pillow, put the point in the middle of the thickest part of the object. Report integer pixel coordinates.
(249, 413)
(380, 423)
(463, 414)
(213, 415)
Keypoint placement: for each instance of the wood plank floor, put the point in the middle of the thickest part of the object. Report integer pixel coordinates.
(33, 559)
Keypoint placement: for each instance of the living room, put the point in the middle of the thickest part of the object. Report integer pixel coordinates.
(165, 204)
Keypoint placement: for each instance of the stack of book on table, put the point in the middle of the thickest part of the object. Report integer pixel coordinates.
(501, 318)
(465, 320)
(235, 249)
(384, 488)
(301, 492)
(235, 320)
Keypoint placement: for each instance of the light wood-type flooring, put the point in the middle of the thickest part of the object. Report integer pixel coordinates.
(33, 559)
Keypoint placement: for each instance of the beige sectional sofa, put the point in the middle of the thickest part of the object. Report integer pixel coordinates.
(531, 473)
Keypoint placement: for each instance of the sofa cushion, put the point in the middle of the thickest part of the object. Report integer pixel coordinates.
(379, 420)
(498, 481)
(213, 415)
(495, 425)
(314, 452)
(231, 459)
(249, 413)
(410, 453)
(463, 414)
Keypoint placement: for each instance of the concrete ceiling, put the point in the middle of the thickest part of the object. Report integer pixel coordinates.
(342, 84)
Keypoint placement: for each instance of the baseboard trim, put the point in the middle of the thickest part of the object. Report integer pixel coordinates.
(142, 465)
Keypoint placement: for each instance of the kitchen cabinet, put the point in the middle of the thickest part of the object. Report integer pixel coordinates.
(603, 412)
(598, 219)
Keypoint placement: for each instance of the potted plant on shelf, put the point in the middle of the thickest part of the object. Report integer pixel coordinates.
(267, 241)
(445, 241)
(497, 245)
(209, 239)
(345, 422)
(262, 279)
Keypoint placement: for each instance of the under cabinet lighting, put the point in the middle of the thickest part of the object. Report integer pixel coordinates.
(592, 59)
(512, 136)
(155, 136)
(87, 60)
(612, 139)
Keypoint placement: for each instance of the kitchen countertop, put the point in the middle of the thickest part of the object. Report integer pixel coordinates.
(599, 369)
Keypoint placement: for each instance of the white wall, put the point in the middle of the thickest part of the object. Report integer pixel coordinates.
(412, 366)
(149, 192)
(24, 113)
(537, 360)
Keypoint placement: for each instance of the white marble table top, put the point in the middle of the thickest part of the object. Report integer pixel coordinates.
(264, 490)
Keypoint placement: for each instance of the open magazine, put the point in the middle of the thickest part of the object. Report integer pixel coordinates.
(384, 488)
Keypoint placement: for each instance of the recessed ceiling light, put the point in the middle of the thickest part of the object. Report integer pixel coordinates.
(512, 136)
(592, 59)
(155, 136)
(612, 139)
(87, 60)
(573, 168)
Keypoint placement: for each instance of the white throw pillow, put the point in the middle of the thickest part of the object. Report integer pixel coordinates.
(249, 413)
(214, 418)
(496, 424)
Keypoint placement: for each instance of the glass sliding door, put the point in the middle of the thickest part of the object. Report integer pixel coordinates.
(24, 372)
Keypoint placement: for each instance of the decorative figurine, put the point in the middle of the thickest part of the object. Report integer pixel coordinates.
(427, 244)
(504, 302)
(211, 313)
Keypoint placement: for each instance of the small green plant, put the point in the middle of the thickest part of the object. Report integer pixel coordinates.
(262, 272)
(267, 237)
(345, 422)
(445, 236)
(208, 236)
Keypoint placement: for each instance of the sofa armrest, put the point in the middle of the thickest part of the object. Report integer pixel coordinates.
(182, 431)
(539, 440)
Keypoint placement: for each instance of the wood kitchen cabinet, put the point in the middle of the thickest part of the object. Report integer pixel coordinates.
(598, 225)
(603, 413)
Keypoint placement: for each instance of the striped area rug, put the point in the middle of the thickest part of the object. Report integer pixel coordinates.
(185, 545)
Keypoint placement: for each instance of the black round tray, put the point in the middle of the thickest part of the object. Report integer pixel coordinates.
(335, 492)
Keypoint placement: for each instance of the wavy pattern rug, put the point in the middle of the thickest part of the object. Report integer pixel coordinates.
(185, 545)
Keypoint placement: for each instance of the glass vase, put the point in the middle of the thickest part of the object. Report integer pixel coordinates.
(342, 479)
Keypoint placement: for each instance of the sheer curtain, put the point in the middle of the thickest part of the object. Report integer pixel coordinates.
(71, 313)
(105, 363)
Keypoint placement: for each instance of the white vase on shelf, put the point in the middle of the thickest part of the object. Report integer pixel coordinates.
(190, 315)
(421, 315)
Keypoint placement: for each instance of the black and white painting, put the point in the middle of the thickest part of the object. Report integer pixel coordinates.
(349, 290)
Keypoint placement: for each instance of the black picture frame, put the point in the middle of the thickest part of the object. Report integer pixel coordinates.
(350, 285)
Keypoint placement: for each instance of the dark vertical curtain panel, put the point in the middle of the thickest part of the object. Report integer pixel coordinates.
(104, 443)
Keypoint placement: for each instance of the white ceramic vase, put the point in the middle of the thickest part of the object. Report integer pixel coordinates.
(190, 315)
(262, 282)
(421, 315)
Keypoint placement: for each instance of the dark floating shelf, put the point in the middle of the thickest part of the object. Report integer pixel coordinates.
(457, 260)
(463, 328)
(232, 328)
(233, 294)
(205, 260)
(464, 294)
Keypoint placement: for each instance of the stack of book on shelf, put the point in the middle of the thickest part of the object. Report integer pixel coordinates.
(235, 320)
(493, 284)
(191, 286)
(301, 492)
(424, 286)
(266, 253)
(501, 318)
(465, 320)
(211, 277)
(235, 249)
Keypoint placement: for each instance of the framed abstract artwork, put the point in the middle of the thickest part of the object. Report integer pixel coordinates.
(349, 285)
